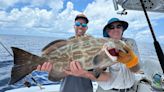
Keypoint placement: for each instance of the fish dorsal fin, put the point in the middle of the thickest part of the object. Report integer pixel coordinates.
(54, 46)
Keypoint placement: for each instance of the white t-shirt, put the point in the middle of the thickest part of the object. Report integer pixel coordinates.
(121, 76)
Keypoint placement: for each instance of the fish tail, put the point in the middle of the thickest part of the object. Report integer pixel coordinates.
(24, 63)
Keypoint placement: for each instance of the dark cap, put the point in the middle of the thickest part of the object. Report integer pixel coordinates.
(82, 16)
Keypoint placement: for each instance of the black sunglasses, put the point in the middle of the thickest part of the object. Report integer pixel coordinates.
(119, 26)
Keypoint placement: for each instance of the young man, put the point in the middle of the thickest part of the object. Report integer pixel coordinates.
(77, 81)
(119, 77)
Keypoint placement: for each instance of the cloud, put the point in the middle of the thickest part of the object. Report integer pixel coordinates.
(7, 3)
(34, 19)
(144, 35)
(49, 16)
(100, 11)
(53, 4)
(161, 38)
(98, 15)
(26, 17)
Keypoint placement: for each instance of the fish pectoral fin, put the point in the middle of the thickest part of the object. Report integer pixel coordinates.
(56, 76)
(96, 72)
(97, 59)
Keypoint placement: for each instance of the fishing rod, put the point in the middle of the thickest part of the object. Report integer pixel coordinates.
(6, 48)
(156, 43)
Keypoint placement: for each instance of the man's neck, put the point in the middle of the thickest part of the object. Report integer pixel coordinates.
(78, 35)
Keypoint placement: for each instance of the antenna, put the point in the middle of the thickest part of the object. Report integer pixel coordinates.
(123, 12)
(115, 5)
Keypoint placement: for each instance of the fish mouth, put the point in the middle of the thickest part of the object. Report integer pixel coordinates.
(112, 53)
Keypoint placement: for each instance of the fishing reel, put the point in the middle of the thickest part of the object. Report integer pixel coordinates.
(158, 81)
(28, 84)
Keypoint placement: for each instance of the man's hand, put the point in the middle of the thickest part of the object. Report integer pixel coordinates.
(47, 66)
(128, 58)
(77, 70)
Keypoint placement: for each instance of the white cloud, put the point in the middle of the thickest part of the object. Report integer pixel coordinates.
(161, 38)
(98, 14)
(35, 3)
(56, 4)
(7, 3)
(57, 21)
(35, 19)
(100, 11)
(144, 36)
(26, 17)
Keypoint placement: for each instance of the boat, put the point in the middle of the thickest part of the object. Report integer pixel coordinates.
(150, 5)
(143, 83)
(45, 88)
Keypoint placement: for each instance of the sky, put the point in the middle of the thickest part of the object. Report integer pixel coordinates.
(55, 18)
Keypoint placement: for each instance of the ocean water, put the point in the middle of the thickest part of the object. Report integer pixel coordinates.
(35, 44)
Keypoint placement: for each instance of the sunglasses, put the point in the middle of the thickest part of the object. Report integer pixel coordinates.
(119, 26)
(80, 24)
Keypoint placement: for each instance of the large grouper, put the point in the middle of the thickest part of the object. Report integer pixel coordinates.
(92, 53)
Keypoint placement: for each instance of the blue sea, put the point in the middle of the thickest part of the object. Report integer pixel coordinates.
(35, 44)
